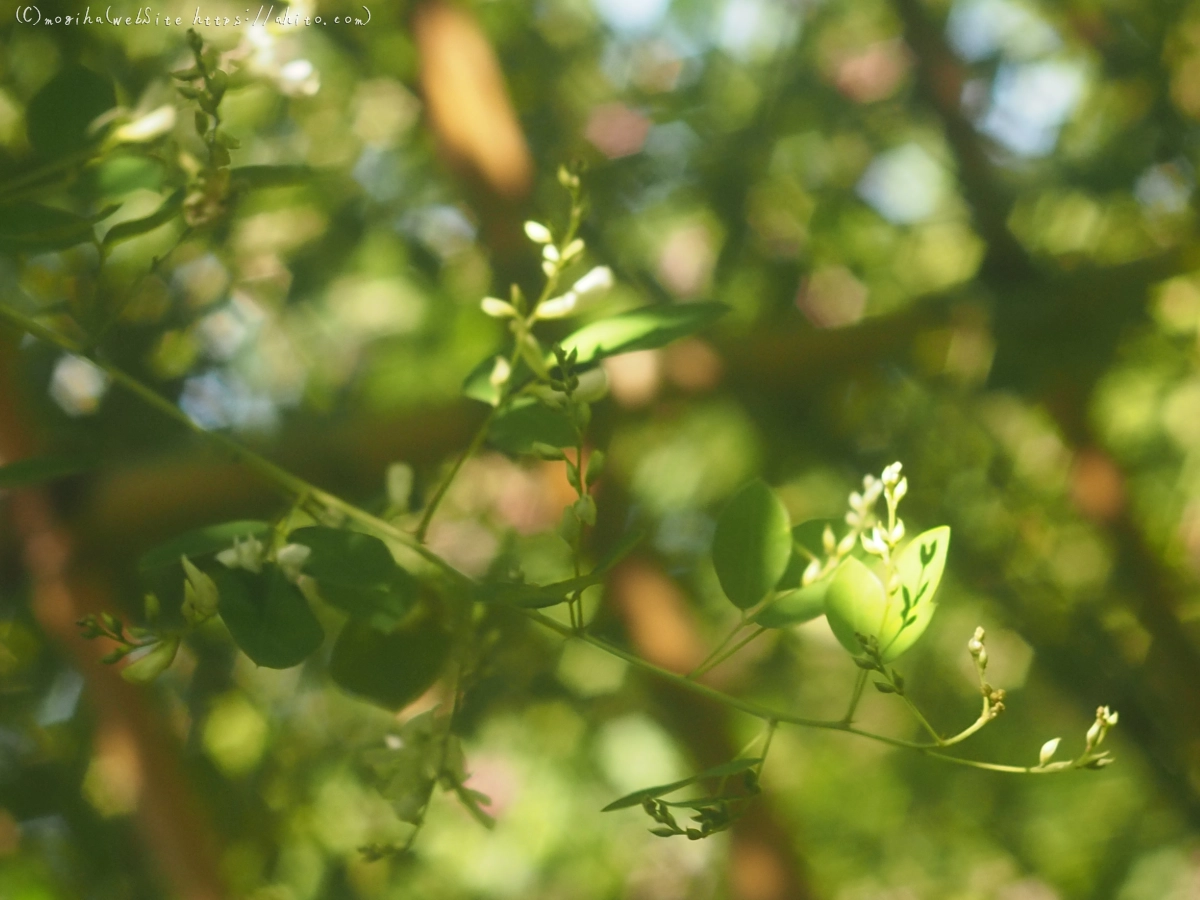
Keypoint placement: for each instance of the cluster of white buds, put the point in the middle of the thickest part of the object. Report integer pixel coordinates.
(596, 283)
(244, 554)
(883, 537)
(1105, 719)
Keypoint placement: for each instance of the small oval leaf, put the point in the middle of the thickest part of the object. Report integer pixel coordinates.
(854, 603)
(752, 544)
(154, 663)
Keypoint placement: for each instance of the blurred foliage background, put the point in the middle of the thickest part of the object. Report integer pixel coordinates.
(958, 233)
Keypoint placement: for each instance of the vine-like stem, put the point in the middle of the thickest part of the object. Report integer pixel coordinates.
(297, 487)
(707, 663)
(715, 661)
(859, 683)
(472, 448)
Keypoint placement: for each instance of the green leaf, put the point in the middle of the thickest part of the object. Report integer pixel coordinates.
(920, 566)
(356, 573)
(32, 228)
(855, 603)
(200, 542)
(641, 329)
(58, 115)
(752, 544)
(391, 668)
(527, 422)
(43, 468)
(124, 231)
(154, 663)
(267, 616)
(795, 606)
(856, 600)
(733, 767)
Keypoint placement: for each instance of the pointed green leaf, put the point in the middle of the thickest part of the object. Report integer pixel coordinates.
(920, 566)
(154, 663)
(641, 329)
(124, 231)
(200, 542)
(28, 472)
(390, 668)
(752, 544)
(32, 228)
(733, 767)
(267, 616)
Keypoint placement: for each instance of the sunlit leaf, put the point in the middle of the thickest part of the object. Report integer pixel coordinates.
(752, 544)
(267, 616)
(641, 329)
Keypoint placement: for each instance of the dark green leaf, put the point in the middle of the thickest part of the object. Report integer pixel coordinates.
(32, 228)
(391, 668)
(43, 468)
(795, 606)
(527, 421)
(59, 114)
(356, 573)
(201, 542)
(125, 231)
(267, 616)
(641, 329)
(733, 767)
(752, 544)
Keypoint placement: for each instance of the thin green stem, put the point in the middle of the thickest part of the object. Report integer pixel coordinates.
(713, 663)
(298, 487)
(859, 683)
(771, 726)
(705, 663)
(920, 717)
(472, 448)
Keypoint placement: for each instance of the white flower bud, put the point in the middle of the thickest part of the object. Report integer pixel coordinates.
(856, 501)
(501, 372)
(1048, 750)
(558, 307)
(150, 126)
(1110, 718)
(873, 543)
(593, 385)
(497, 308)
(200, 595)
(811, 572)
(828, 541)
(547, 268)
(595, 283)
(901, 490)
(538, 233)
(291, 559)
(872, 488)
(1095, 734)
(891, 475)
(846, 544)
(247, 554)
(550, 253)
(572, 250)
(898, 531)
